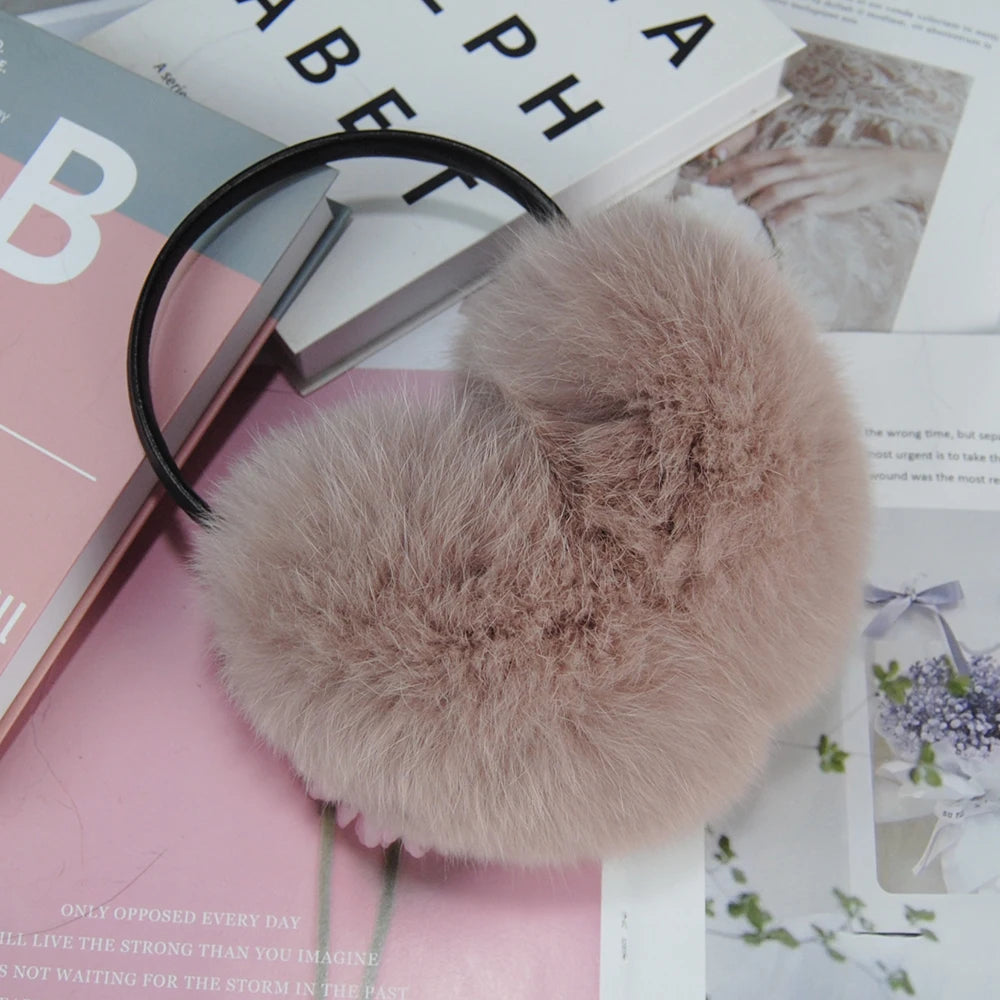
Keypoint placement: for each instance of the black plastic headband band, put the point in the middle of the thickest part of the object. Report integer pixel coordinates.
(282, 166)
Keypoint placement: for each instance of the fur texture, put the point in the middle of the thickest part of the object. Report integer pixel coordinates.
(555, 611)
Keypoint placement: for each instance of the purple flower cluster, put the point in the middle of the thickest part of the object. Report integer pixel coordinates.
(933, 712)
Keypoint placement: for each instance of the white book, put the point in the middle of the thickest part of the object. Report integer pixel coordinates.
(591, 100)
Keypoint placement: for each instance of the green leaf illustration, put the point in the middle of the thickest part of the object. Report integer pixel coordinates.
(724, 852)
(831, 757)
(957, 684)
(891, 683)
(826, 939)
(925, 769)
(899, 981)
(915, 916)
(747, 905)
(760, 928)
(782, 936)
(851, 905)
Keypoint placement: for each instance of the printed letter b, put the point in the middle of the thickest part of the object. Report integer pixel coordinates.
(34, 186)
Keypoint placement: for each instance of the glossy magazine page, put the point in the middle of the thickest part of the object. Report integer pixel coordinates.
(867, 864)
(149, 843)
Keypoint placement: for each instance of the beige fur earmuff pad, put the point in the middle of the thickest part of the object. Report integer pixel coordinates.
(555, 611)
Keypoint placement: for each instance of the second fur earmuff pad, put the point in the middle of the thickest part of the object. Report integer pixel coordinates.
(555, 610)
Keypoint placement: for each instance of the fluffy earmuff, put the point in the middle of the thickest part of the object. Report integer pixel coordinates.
(556, 610)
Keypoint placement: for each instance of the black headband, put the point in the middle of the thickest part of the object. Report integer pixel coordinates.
(274, 169)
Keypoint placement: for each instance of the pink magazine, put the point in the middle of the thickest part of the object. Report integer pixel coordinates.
(150, 846)
(23, 698)
(96, 167)
(66, 445)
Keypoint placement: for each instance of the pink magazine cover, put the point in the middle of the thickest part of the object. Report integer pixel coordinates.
(66, 443)
(96, 167)
(51, 658)
(151, 846)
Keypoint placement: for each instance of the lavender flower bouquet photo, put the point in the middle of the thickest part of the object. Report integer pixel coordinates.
(942, 726)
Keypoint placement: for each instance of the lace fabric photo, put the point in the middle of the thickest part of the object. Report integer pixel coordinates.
(851, 257)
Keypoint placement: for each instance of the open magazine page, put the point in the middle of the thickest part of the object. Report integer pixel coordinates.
(867, 862)
(150, 845)
(875, 184)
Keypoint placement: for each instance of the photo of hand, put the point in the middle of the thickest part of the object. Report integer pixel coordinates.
(842, 177)
(780, 184)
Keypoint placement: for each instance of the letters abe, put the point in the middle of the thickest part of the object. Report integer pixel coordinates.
(319, 60)
(557, 108)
